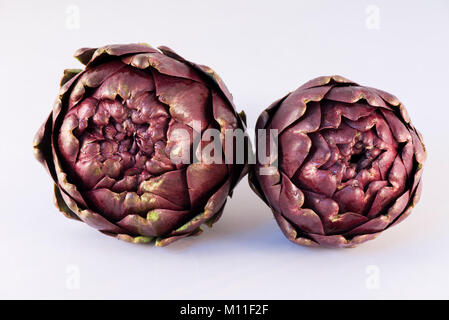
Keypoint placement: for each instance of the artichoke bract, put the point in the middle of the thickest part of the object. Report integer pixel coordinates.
(348, 163)
(117, 128)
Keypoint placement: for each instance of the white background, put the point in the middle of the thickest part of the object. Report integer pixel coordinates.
(262, 50)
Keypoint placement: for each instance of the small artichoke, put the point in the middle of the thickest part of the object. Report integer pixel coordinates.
(349, 163)
(115, 129)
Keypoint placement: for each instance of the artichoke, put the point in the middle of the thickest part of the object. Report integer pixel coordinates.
(349, 163)
(116, 129)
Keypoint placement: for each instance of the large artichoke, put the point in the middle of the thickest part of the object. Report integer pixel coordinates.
(349, 163)
(116, 128)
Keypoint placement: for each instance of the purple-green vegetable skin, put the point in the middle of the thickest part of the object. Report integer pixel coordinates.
(349, 164)
(108, 140)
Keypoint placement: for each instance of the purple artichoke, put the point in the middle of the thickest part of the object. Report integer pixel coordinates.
(116, 128)
(348, 166)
